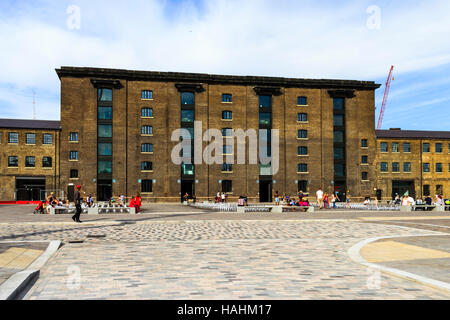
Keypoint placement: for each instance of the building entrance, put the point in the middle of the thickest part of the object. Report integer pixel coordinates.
(187, 186)
(265, 191)
(30, 189)
(400, 187)
(104, 190)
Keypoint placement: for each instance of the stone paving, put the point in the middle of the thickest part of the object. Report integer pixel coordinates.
(216, 260)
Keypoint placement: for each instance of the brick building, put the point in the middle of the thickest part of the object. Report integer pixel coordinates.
(116, 128)
(414, 161)
(29, 158)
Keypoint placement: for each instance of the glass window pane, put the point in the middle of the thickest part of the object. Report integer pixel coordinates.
(13, 137)
(339, 170)
(187, 169)
(13, 161)
(105, 167)
(338, 104)
(383, 147)
(48, 138)
(187, 98)
(264, 118)
(339, 153)
(302, 101)
(227, 98)
(105, 149)
(406, 147)
(147, 112)
(339, 136)
(46, 162)
(384, 167)
(105, 130)
(104, 94)
(187, 115)
(147, 94)
(338, 120)
(105, 113)
(265, 101)
(395, 147)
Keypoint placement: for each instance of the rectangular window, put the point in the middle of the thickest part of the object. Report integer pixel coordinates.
(302, 117)
(302, 167)
(147, 112)
(13, 161)
(47, 138)
(227, 115)
(46, 162)
(426, 147)
(339, 153)
(439, 190)
(30, 138)
(187, 98)
(407, 167)
(302, 101)
(426, 190)
(227, 186)
(146, 166)
(338, 104)
(13, 137)
(147, 148)
(265, 118)
(265, 101)
(73, 137)
(227, 97)
(187, 115)
(439, 167)
(339, 170)
(73, 174)
(30, 162)
(364, 159)
(105, 149)
(426, 167)
(227, 149)
(104, 113)
(147, 130)
(338, 137)
(395, 167)
(302, 134)
(146, 95)
(73, 155)
(364, 143)
(227, 167)
(383, 147)
(384, 167)
(302, 151)
(406, 147)
(338, 120)
(227, 132)
(105, 130)
(147, 186)
(364, 176)
(395, 147)
(105, 95)
(187, 169)
(438, 147)
(105, 167)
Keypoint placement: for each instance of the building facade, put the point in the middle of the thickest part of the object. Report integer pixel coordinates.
(117, 126)
(413, 161)
(29, 159)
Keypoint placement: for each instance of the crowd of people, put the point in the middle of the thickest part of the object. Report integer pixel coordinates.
(297, 201)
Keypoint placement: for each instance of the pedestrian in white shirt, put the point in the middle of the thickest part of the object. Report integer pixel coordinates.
(319, 195)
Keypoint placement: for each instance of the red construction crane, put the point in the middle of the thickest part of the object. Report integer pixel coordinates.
(386, 94)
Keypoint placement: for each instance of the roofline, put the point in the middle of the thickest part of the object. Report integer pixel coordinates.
(134, 75)
(32, 124)
(414, 134)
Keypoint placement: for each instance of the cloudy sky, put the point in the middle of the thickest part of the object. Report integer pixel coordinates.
(304, 39)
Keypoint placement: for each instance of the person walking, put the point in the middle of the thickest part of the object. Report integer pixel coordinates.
(319, 195)
(326, 201)
(138, 203)
(77, 199)
(223, 197)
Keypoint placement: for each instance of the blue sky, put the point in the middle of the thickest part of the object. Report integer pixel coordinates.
(303, 39)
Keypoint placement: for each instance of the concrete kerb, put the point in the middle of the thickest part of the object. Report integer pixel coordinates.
(354, 253)
(13, 287)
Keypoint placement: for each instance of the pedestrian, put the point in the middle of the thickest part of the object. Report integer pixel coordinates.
(277, 198)
(319, 195)
(77, 199)
(348, 199)
(138, 202)
(132, 203)
(326, 201)
(333, 200)
(223, 197)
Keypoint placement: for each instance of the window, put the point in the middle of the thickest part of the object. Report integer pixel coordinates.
(426, 147)
(302, 117)
(227, 97)
(147, 130)
(13, 161)
(302, 101)
(105, 130)
(302, 134)
(104, 113)
(73, 174)
(364, 176)
(104, 95)
(187, 98)
(147, 112)
(227, 132)
(364, 159)
(73, 137)
(383, 147)
(438, 147)
(265, 118)
(265, 169)
(147, 147)
(105, 149)
(395, 147)
(104, 167)
(439, 189)
(187, 169)
(30, 138)
(364, 143)
(227, 149)
(13, 137)
(73, 155)
(265, 101)
(407, 147)
(47, 138)
(384, 167)
(338, 120)
(338, 104)
(407, 167)
(426, 167)
(302, 151)
(147, 186)
(395, 167)
(46, 162)
(339, 153)
(439, 167)
(302, 167)
(339, 170)
(146, 166)
(187, 115)
(30, 162)
(426, 190)
(146, 95)
(227, 186)
(227, 167)
(227, 115)
(338, 136)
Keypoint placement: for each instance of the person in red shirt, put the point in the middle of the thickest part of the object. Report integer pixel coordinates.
(132, 203)
(138, 203)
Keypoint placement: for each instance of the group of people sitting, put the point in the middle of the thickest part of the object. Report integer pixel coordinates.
(291, 201)
(51, 202)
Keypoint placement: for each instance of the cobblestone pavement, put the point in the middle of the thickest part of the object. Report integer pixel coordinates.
(216, 260)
